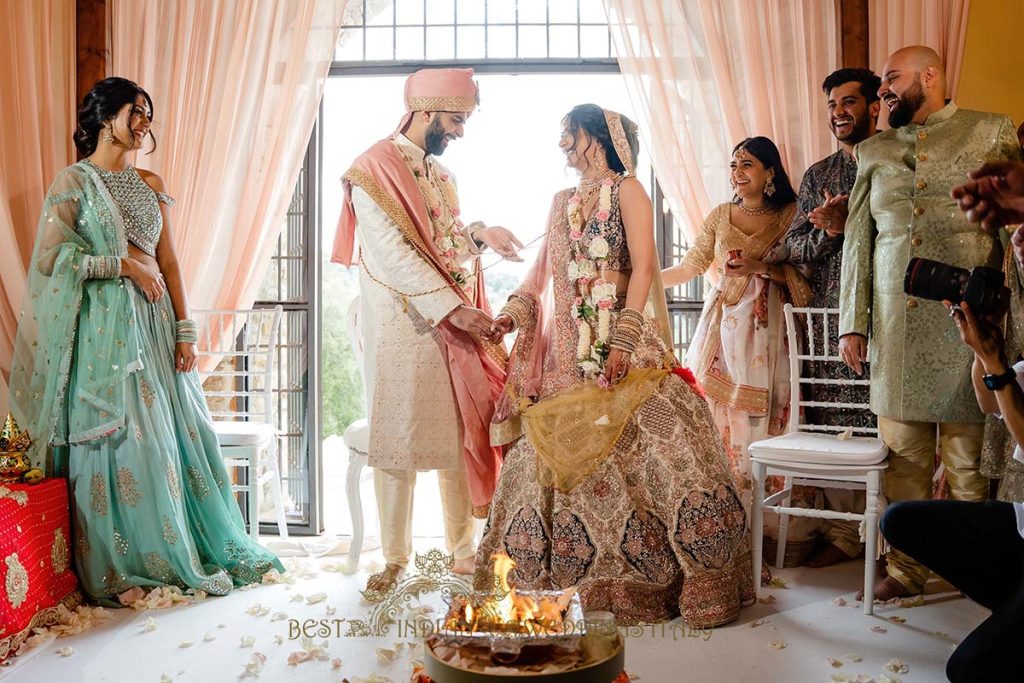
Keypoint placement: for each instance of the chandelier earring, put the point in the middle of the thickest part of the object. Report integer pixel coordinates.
(599, 162)
(769, 187)
(108, 134)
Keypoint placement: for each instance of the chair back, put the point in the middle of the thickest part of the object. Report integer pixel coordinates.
(243, 344)
(811, 344)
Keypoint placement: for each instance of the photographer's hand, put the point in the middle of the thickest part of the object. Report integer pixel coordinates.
(982, 334)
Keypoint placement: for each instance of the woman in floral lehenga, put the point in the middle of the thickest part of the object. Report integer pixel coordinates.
(620, 490)
(104, 374)
(739, 351)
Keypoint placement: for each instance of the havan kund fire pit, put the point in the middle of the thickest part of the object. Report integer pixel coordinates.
(526, 635)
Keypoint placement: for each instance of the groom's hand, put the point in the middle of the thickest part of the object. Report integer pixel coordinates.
(471, 320)
(501, 240)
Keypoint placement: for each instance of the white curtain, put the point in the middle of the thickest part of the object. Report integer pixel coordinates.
(704, 74)
(236, 88)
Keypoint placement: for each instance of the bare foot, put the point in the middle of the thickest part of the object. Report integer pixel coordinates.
(827, 556)
(466, 565)
(886, 589)
(384, 580)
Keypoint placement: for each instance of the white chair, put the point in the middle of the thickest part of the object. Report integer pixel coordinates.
(357, 441)
(816, 455)
(245, 346)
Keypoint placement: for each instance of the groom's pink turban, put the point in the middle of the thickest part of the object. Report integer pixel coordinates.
(439, 90)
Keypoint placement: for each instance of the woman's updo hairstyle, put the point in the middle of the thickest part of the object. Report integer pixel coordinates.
(101, 104)
(590, 118)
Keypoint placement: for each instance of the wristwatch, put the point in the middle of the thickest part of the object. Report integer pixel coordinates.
(997, 382)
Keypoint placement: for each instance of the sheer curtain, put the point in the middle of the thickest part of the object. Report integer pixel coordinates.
(704, 74)
(37, 98)
(236, 87)
(939, 24)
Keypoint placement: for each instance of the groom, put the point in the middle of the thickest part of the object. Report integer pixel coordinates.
(432, 378)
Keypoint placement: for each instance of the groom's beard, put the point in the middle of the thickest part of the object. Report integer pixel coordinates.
(434, 139)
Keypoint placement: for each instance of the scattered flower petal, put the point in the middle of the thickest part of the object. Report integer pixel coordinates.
(758, 622)
(840, 678)
(768, 600)
(279, 616)
(852, 658)
(164, 678)
(297, 598)
(839, 602)
(271, 577)
(247, 641)
(897, 620)
(66, 651)
(385, 655)
(331, 611)
(836, 663)
(258, 610)
(254, 666)
(879, 629)
(278, 640)
(778, 645)
(336, 663)
(149, 625)
(896, 666)
(209, 637)
(315, 598)
(915, 601)
(185, 643)
(778, 582)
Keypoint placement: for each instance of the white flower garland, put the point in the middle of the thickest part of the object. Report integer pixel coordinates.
(595, 295)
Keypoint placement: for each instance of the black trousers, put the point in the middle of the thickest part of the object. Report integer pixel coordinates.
(977, 548)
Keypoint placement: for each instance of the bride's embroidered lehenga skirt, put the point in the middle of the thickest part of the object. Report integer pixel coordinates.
(152, 501)
(657, 530)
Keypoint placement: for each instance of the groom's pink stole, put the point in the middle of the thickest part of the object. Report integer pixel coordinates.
(477, 367)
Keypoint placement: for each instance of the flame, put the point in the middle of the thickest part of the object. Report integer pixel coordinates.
(507, 608)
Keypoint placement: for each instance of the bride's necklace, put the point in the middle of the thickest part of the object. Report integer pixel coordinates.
(758, 211)
(589, 184)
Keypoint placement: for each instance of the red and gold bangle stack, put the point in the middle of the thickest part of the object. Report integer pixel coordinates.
(628, 330)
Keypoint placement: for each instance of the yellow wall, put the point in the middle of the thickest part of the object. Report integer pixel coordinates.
(992, 77)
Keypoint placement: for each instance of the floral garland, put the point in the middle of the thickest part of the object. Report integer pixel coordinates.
(595, 295)
(442, 202)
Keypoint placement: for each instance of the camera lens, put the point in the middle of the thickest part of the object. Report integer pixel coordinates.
(927, 279)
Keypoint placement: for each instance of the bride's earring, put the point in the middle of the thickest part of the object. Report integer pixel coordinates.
(108, 134)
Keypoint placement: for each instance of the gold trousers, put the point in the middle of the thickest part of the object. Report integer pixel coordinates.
(912, 448)
(394, 489)
(844, 534)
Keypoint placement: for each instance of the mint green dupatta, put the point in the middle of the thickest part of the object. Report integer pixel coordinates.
(71, 324)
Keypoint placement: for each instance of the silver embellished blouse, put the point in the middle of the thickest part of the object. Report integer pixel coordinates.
(138, 205)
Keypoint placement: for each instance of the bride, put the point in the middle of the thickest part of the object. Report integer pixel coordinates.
(616, 480)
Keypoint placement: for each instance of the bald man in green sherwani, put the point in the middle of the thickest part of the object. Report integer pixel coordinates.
(900, 208)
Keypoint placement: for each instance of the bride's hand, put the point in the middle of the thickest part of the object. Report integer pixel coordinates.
(501, 326)
(616, 367)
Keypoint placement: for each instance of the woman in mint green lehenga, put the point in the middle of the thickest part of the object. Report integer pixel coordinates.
(104, 374)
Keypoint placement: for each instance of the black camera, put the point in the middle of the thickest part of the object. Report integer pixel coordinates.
(981, 288)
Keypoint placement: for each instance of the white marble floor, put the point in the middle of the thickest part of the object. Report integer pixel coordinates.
(804, 617)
